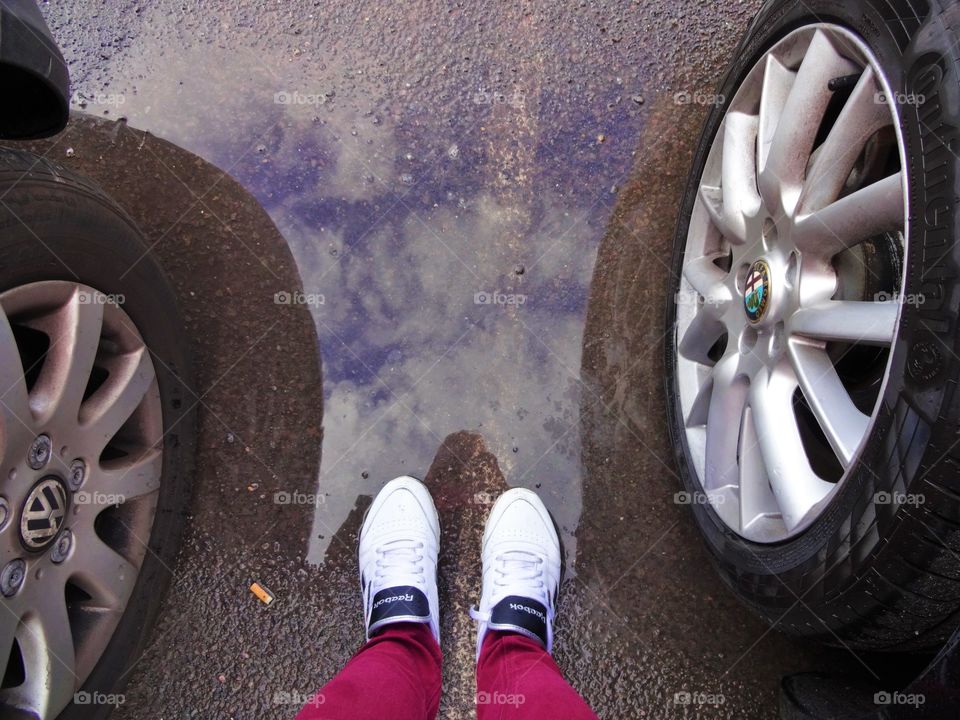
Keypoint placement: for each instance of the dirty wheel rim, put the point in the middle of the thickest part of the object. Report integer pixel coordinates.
(792, 283)
(80, 438)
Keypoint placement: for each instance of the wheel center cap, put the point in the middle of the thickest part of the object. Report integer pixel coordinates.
(43, 513)
(757, 290)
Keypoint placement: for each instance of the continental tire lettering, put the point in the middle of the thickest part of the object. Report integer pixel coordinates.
(937, 140)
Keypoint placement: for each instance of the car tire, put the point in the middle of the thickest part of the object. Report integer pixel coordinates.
(879, 567)
(57, 226)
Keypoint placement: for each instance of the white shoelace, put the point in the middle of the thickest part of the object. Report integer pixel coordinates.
(519, 572)
(402, 559)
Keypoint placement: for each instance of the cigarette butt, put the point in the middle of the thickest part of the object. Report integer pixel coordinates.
(263, 595)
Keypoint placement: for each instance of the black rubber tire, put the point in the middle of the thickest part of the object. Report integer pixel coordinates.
(55, 225)
(869, 575)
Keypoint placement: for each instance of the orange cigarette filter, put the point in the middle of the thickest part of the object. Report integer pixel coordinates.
(263, 595)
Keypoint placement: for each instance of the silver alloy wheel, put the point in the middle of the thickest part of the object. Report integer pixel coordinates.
(792, 282)
(73, 368)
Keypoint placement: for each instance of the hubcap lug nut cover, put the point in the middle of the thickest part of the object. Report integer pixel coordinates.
(12, 577)
(40, 451)
(61, 548)
(78, 473)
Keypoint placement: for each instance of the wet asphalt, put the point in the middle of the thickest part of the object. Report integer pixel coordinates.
(463, 213)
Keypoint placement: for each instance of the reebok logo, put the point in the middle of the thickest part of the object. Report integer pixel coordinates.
(408, 597)
(528, 610)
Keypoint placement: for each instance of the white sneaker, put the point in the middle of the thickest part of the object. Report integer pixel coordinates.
(398, 557)
(521, 569)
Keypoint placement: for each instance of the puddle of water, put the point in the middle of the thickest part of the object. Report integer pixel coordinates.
(444, 203)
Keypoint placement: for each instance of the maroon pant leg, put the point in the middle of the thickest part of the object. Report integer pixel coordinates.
(518, 680)
(396, 675)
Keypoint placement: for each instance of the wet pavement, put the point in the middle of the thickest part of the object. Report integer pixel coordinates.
(466, 211)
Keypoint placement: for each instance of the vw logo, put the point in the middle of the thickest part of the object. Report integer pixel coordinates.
(43, 513)
(756, 291)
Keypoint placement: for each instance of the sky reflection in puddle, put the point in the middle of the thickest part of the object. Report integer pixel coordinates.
(444, 211)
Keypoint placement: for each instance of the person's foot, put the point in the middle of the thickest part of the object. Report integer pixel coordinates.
(521, 569)
(398, 557)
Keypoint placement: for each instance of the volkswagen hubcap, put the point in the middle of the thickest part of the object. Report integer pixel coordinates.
(44, 512)
(80, 443)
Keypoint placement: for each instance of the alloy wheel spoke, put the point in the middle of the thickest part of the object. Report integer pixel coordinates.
(126, 479)
(796, 487)
(861, 117)
(102, 572)
(793, 140)
(740, 197)
(103, 414)
(703, 332)
(727, 400)
(13, 386)
(74, 332)
(870, 211)
(712, 199)
(709, 281)
(46, 644)
(841, 421)
(757, 500)
(700, 407)
(777, 82)
(868, 323)
(15, 413)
